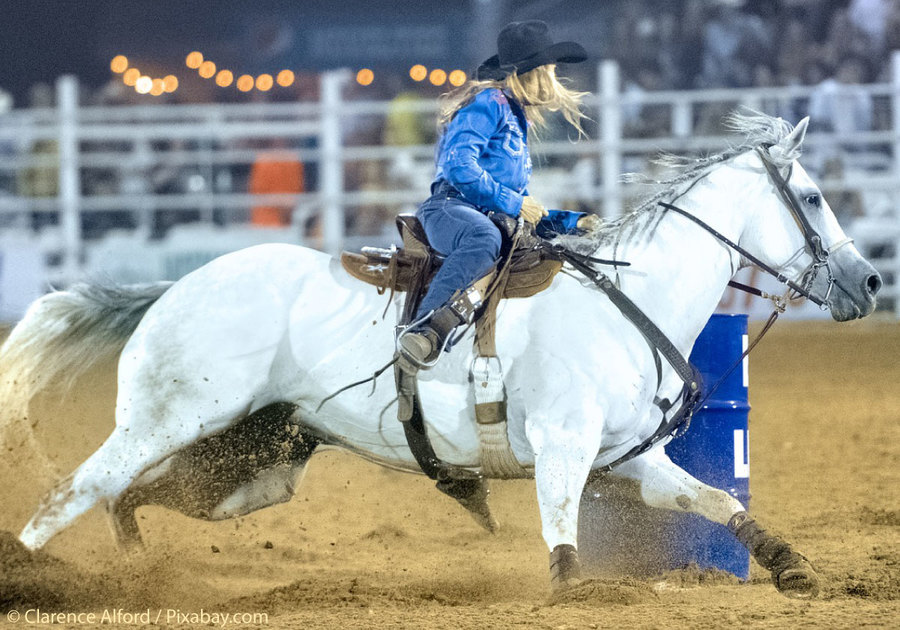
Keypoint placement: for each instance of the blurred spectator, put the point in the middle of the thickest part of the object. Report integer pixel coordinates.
(40, 179)
(793, 53)
(404, 126)
(686, 46)
(870, 17)
(175, 173)
(732, 40)
(7, 147)
(845, 39)
(892, 28)
(847, 205)
(764, 77)
(276, 170)
(640, 119)
(839, 104)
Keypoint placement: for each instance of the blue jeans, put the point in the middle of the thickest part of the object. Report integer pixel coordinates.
(466, 237)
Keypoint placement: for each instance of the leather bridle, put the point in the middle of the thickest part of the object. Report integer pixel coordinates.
(691, 396)
(813, 239)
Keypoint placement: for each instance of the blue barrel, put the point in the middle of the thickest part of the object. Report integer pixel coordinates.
(619, 535)
(715, 448)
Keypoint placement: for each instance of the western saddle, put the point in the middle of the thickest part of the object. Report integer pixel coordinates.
(525, 267)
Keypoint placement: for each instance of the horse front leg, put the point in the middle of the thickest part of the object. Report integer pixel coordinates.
(564, 452)
(666, 485)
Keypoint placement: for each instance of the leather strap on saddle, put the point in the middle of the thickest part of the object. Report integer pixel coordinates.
(521, 273)
(530, 270)
(486, 375)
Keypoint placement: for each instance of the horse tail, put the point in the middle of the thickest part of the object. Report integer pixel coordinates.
(65, 333)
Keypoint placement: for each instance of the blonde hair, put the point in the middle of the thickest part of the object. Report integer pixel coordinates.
(538, 91)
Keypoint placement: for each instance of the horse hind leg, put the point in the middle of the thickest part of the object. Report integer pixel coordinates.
(122, 518)
(256, 462)
(104, 474)
(667, 486)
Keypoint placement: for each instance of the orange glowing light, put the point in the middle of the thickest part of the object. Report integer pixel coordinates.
(143, 85)
(245, 83)
(365, 77)
(131, 76)
(193, 60)
(224, 78)
(157, 87)
(264, 82)
(285, 78)
(207, 69)
(170, 83)
(418, 72)
(457, 78)
(119, 64)
(437, 77)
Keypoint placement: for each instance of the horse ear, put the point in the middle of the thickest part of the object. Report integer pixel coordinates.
(791, 143)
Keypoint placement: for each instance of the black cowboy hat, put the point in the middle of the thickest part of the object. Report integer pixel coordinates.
(524, 46)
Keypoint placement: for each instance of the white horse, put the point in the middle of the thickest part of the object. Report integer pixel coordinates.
(270, 331)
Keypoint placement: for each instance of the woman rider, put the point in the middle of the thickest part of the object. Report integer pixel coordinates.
(483, 166)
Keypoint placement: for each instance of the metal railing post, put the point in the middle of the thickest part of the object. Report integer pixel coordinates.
(682, 119)
(332, 163)
(895, 129)
(610, 137)
(69, 180)
(895, 110)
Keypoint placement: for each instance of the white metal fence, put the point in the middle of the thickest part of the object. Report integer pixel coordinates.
(64, 171)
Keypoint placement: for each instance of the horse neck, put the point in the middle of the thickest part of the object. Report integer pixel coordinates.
(679, 273)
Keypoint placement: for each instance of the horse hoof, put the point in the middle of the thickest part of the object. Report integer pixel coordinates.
(602, 593)
(799, 581)
(565, 568)
(563, 586)
(472, 494)
(487, 521)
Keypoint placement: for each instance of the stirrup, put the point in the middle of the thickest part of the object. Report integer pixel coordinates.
(410, 360)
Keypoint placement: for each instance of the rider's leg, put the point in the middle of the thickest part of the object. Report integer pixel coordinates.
(471, 244)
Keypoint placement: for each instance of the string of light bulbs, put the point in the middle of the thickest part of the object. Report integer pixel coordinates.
(223, 77)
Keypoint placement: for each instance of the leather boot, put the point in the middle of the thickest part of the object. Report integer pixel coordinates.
(420, 347)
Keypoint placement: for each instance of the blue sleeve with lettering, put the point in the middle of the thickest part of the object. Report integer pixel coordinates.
(467, 139)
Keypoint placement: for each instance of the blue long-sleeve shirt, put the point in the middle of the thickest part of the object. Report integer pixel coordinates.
(483, 153)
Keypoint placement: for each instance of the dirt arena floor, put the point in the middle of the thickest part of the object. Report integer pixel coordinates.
(363, 547)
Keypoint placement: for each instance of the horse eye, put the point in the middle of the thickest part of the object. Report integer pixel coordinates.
(814, 200)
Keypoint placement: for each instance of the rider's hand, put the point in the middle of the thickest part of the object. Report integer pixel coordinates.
(589, 222)
(532, 211)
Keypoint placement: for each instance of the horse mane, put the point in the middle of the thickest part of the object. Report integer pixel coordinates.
(756, 128)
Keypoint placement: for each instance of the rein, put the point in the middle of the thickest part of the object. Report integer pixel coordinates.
(657, 339)
(659, 344)
(814, 243)
(743, 252)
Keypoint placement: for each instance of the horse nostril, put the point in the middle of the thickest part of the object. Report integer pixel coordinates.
(874, 283)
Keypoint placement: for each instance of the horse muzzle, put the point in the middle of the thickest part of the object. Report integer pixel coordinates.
(855, 285)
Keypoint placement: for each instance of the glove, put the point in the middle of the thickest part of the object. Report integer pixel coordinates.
(589, 222)
(532, 211)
